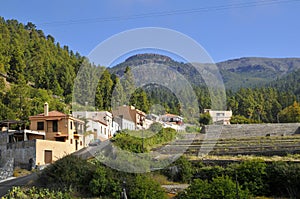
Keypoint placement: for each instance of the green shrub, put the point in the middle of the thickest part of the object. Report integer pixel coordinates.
(205, 119)
(126, 141)
(144, 187)
(219, 188)
(36, 193)
(68, 172)
(210, 172)
(283, 179)
(180, 171)
(251, 175)
(105, 183)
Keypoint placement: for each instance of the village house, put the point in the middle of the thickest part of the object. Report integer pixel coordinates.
(172, 121)
(171, 118)
(219, 117)
(128, 117)
(52, 135)
(99, 125)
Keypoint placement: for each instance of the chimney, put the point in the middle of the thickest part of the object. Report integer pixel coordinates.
(46, 109)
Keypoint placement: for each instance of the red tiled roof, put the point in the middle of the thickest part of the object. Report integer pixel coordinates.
(53, 114)
(170, 115)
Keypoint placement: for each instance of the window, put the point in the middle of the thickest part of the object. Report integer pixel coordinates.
(40, 126)
(220, 114)
(71, 125)
(55, 126)
(80, 143)
(71, 141)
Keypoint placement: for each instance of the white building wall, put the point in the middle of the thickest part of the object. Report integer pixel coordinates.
(98, 122)
(125, 124)
(115, 128)
(220, 116)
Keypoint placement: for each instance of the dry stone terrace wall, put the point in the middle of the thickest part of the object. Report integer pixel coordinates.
(255, 130)
(20, 151)
(3, 141)
(7, 169)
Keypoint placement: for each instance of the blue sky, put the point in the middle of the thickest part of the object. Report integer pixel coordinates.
(226, 29)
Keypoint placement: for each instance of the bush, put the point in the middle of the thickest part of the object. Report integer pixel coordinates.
(144, 187)
(107, 182)
(68, 172)
(284, 179)
(180, 171)
(219, 188)
(210, 172)
(104, 183)
(126, 141)
(205, 119)
(251, 175)
(36, 193)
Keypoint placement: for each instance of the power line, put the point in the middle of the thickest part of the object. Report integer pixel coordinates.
(169, 13)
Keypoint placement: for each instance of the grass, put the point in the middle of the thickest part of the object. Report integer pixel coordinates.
(18, 172)
(161, 179)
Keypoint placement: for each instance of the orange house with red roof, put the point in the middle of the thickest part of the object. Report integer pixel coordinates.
(63, 135)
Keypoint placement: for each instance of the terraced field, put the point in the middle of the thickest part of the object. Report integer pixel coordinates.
(265, 146)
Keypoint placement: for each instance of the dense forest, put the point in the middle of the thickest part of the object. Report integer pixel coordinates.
(35, 68)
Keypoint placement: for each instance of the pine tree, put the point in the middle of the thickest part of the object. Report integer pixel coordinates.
(104, 92)
(128, 84)
(139, 100)
(118, 95)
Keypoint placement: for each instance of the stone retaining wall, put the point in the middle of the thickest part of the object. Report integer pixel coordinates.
(22, 152)
(254, 130)
(7, 169)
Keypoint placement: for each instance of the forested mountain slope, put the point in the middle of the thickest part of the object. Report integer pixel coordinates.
(34, 68)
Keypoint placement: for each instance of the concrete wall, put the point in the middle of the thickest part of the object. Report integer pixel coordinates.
(254, 130)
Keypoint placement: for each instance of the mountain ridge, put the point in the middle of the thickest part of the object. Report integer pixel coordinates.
(236, 73)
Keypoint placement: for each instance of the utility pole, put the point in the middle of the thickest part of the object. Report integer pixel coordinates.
(236, 186)
(142, 124)
(123, 194)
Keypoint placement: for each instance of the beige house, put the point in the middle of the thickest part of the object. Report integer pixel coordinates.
(219, 117)
(63, 135)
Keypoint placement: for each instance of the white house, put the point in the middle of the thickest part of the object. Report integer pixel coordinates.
(221, 117)
(99, 123)
(124, 123)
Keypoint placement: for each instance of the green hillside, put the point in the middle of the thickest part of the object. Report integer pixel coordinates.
(34, 68)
